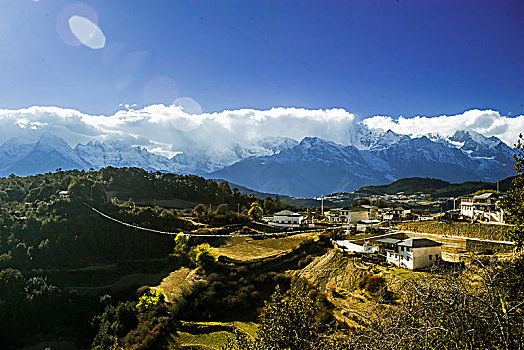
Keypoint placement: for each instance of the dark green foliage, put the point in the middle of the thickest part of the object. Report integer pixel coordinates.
(222, 209)
(44, 238)
(33, 305)
(113, 325)
(513, 202)
(154, 325)
(273, 205)
(200, 209)
(228, 294)
(435, 187)
(293, 320)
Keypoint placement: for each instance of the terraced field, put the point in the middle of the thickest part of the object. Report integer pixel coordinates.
(214, 339)
(246, 248)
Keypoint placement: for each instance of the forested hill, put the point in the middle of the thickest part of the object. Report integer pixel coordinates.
(123, 183)
(434, 187)
(42, 233)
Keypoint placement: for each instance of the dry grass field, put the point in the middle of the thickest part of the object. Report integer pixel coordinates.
(246, 248)
(212, 340)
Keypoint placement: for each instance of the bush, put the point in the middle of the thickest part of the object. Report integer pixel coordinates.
(150, 300)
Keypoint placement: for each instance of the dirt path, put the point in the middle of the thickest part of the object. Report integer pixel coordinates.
(174, 284)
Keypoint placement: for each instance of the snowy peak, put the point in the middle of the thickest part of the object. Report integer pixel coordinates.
(475, 137)
(277, 144)
(480, 146)
(317, 149)
(38, 153)
(120, 154)
(364, 138)
(202, 161)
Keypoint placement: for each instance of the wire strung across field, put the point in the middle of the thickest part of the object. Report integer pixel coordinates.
(201, 235)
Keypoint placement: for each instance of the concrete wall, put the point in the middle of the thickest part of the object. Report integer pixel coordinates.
(357, 216)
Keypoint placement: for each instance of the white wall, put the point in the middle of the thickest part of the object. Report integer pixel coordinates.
(283, 219)
(357, 216)
(414, 258)
(421, 256)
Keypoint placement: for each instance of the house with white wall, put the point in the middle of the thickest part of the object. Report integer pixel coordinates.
(412, 253)
(482, 207)
(287, 218)
(338, 215)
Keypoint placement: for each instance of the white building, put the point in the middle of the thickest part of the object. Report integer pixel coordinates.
(349, 246)
(482, 207)
(287, 218)
(338, 215)
(412, 253)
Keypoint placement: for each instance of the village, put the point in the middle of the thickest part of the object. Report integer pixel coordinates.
(375, 231)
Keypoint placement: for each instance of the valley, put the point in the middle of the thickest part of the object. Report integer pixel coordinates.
(179, 261)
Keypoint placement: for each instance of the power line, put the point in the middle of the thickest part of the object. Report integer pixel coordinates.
(201, 235)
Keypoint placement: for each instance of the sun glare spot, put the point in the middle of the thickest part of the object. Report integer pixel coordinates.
(188, 105)
(87, 32)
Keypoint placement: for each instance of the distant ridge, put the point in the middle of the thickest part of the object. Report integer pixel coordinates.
(434, 187)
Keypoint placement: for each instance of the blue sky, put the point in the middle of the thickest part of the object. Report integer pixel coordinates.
(369, 57)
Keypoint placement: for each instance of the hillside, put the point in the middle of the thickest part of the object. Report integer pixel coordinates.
(435, 187)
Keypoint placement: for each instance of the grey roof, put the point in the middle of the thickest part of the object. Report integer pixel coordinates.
(416, 242)
(388, 240)
(358, 209)
(286, 213)
(484, 195)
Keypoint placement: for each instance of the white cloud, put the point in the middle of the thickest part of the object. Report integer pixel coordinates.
(167, 130)
(485, 122)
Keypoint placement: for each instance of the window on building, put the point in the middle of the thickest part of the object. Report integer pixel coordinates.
(430, 257)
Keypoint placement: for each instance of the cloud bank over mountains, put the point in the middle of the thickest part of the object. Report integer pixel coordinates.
(168, 130)
(485, 122)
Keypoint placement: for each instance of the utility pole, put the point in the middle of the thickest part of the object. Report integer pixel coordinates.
(238, 204)
(322, 204)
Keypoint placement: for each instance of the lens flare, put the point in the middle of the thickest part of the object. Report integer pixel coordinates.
(87, 32)
(188, 105)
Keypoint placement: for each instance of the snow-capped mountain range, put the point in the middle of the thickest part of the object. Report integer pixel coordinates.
(283, 165)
